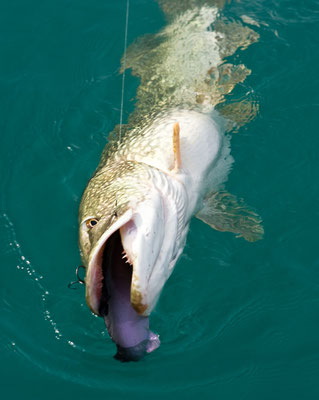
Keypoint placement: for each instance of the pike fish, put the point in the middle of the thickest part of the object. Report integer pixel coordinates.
(168, 164)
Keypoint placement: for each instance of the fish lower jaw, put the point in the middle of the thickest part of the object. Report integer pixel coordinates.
(138, 302)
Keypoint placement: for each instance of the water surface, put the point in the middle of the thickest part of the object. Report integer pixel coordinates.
(236, 320)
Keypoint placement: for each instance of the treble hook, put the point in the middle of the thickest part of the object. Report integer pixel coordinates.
(79, 281)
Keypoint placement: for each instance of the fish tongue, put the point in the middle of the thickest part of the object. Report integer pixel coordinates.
(129, 330)
(135, 353)
(133, 340)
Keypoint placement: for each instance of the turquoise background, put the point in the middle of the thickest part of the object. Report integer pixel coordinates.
(236, 320)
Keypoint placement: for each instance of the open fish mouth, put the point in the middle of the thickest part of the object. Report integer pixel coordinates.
(109, 295)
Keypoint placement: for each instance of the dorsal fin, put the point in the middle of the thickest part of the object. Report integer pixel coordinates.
(176, 148)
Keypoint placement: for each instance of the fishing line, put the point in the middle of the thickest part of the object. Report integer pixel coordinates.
(124, 66)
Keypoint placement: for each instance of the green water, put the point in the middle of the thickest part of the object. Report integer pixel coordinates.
(236, 320)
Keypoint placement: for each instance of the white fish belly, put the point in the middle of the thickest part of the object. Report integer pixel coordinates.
(204, 150)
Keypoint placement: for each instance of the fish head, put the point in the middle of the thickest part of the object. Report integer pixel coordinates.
(128, 253)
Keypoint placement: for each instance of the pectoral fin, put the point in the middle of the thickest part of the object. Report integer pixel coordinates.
(239, 114)
(176, 148)
(224, 212)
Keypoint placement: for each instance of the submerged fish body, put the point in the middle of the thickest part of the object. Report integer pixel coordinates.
(169, 164)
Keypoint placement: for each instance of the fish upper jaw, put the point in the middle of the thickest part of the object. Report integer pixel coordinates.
(94, 274)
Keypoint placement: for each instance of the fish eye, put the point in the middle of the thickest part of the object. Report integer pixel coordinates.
(90, 223)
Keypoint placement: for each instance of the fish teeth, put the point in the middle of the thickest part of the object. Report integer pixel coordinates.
(126, 258)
